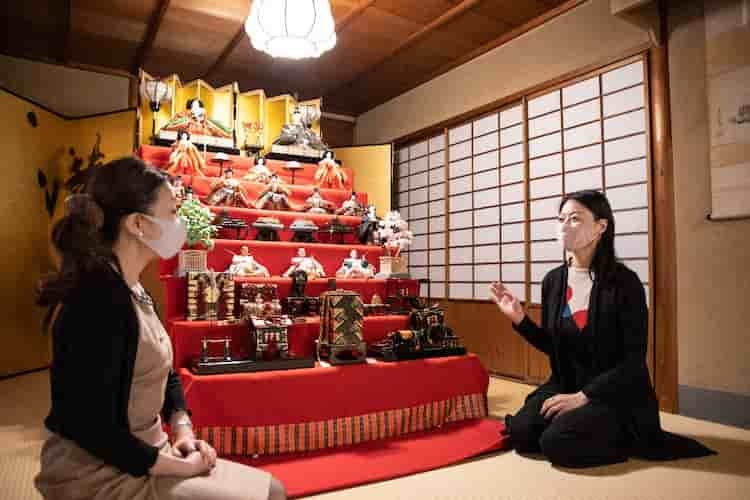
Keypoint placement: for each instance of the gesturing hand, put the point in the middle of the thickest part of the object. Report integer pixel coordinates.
(562, 403)
(507, 302)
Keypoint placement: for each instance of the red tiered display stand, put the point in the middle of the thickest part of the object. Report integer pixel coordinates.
(298, 420)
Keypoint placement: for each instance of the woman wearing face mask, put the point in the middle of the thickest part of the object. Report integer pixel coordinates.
(598, 406)
(112, 381)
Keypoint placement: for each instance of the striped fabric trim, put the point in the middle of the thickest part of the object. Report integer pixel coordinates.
(343, 431)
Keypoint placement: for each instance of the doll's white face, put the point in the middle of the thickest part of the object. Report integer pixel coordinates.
(197, 109)
(353, 254)
(301, 252)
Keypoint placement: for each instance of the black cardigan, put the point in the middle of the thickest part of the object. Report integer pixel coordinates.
(618, 320)
(95, 340)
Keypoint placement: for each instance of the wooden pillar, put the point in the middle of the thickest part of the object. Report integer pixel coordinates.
(664, 287)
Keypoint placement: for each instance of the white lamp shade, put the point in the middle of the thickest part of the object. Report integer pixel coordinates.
(156, 91)
(293, 29)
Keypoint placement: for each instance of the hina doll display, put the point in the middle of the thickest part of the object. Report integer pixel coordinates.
(315, 204)
(309, 264)
(245, 265)
(329, 172)
(394, 234)
(185, 159)
(299, 132)
(352, 206)
(275, 196)
(368, 226)
(355, 267)
(259, 172)
(227, 192)
(195, 121)
(178, 189)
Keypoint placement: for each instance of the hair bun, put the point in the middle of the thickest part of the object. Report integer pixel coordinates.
(84, 208)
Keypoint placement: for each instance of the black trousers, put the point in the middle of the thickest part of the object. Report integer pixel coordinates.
(585, 437)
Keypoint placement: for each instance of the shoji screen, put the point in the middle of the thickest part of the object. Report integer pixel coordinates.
(436, 224)
(461, 217)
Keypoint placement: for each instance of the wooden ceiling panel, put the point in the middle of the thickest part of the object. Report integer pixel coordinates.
(420, 12)
(137, 10)
(385, 25)
(230, 10)
(100, 50)
(97, 22)
(164, 62)
(200, 35)
(474, 27)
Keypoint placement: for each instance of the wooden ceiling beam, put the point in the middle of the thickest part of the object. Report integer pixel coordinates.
(415, 37)
(151, 31)
(219, 62)
(65, 29)
(353, 14)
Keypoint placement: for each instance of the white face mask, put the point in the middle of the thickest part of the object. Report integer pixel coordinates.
(576, 237)
(173, 235)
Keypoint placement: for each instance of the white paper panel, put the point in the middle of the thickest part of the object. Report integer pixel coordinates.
(424, 289)
(581, 91)
(545, 209)
(490, 253)
(402, 155)
(437, 192)
(626, 173)
(640, 267)
(536, 294)
(418, 180)
(460, 255)
(628, 197)
(622, 77)
(583, 158)
(403, 199)
(513, 213)
(405, 213)
(511, 116)
(463, 219)
(461, 237)
(437, 175)
(459, 185)
(459, 168)
(419, 226)
(487, 216)
(539, 271)
(487, 235)
(459, 151)
(418, 211)
(482, 291)
(459, 134)
(512, 193)
(418, 196)
(461, 291)
(545, 145)
(487, 124)
(418, 165)
(437, 159)
(517, 289)
(460, 273)
(544, 104)
(583, 135)
(437, 240)
(437, 273)
(629, 123)
(487, 198)
(632, 221)
(583, 113)
(512, 233)
(543, 230)
(402, 170)
(584, 179)
(419, 243)
(624, 100)
(632, 246)
(437, 224)
(544, 124)
(437, 143)
(490, 178)
(513, 272)
(546, 250)
(625, 149)
(512, 174)
(545, 166)
(485, 143)
(437, 208)
(514, 252)
(512, 135)
(548, 186)
(417, 258)
(460, 202)
(403, 184)
(511, 155)
(418, 149)
(437, 290)
(487, 272)
(418, 273)
(437, 257)
(486, 161)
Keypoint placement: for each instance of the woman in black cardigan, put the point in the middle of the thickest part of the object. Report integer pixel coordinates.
(112, 384)
(598, 406)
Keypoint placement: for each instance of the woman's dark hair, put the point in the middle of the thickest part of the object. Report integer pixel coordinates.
(86, 233)
(605, 261)
(183, 133)
(191, 101)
